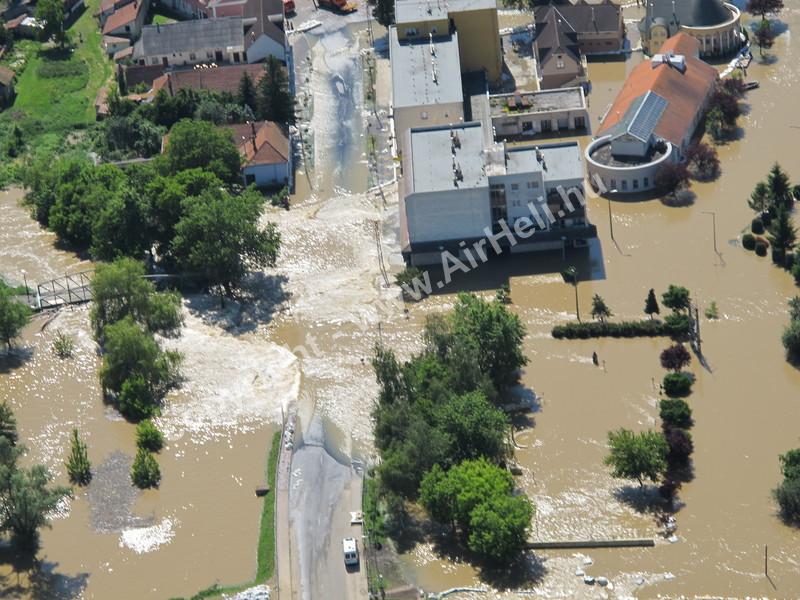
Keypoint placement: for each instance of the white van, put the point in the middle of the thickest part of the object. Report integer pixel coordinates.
(350, 549)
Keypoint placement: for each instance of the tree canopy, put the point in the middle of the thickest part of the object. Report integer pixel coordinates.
(600, 310)
(651, 304)
(637, 456)
(14, 316)
(675, 358)
(677, 298)
(199, 144)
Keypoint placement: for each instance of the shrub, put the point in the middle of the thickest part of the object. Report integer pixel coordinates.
(757, 226)
(675, 412)
(680, 446)
(748, 241)
(791, 339)
(712, 312)
(145, 472)
(677, 385)
(622, 329)
(796, 272)
(63, 345)
(787, 494)
(78, 466)
(761, 248)
(149, 437)
(678, 325)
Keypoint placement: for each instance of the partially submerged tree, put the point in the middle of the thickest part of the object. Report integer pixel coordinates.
(763, 8)
(14, 316)
(677, 298)
(651, 304)
(761, 198)
(764, 37)
(782, 234)
(600, 310)
(637, 456)
(703, 159)
(78, 466)
(675, 358)
(672, 178)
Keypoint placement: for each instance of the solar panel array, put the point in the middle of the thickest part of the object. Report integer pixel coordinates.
(647, 117)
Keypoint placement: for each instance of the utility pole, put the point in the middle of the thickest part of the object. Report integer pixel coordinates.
(714, 226)
(610, 221)
(766, 565)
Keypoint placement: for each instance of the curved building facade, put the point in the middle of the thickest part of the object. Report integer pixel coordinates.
(716, 25)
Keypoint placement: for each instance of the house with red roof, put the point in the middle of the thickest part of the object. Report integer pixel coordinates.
(127, 21)
(266, 153)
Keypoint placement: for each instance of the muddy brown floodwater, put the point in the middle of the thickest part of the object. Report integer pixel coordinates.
(201, 525)
(746, 403)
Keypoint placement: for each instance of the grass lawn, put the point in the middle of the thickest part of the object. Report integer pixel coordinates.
(265, 565)
(56, 89)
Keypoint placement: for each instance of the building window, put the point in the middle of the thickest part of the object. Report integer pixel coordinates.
(613, 185)
(128, 28)
(411, 32)
(209, 55)
(514, 187)
(527, 126)
(624, 185)
(559, 63)
(636, 184)
(154, 61)
(533, 185)
(580, 123)
(546, 126)
(423, 115)
(249, 179)
(192, 56)
(433, 30)
(646, 182)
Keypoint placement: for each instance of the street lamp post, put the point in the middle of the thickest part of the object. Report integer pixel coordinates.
(610, 221)
(714, 226)
(27, 291)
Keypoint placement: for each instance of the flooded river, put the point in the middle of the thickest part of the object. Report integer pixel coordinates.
(746, 403)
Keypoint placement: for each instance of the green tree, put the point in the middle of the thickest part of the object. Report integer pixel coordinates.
(384, 12)
(675, 358)
(496, 333)
(149, 437)
(26, 498)
(675, 412)
(760, 200)
(600, 310)
(791, 340)
(78, 466)
(274, 101)
(715, 122)
(794, 308)
(787, 495)
(246, 94)
(199, 144)
(8, 424)
(499, 528)
(136, 368)
(677, 385)
(119, 290)
(15, 145)
(676, 298)
(790, 464)
(651, 304)
(782, 233)
(637, 456)
(474, 427)
(145, 472)
(119, 227)
(219, 238)
(51, 12)
(780, 188)
(764, 37)
(13, 317)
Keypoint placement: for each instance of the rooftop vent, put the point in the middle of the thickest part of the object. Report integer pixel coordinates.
(676, 61)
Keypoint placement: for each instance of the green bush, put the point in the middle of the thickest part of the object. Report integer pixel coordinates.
(622, 329)
(796, 272)
(787, 494)
(149, 437)
(675, 412)
(678, 325)
(50, 69)
(748, 241)
(791, 339)
(757, 226)
(145, 472)
(761, 248)
(677, 385)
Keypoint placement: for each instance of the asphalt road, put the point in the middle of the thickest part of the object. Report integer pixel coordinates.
(322, 493)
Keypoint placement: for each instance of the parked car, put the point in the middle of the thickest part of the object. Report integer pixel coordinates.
(350, 549)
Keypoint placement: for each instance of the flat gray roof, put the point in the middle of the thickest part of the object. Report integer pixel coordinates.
(413, 11)
(561, 161)
(435, 150)
(537, 102)
(421, 78)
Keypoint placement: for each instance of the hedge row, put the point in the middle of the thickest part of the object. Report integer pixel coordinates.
(623, 329)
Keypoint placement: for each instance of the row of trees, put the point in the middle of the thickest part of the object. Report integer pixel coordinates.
(27, 496)
(177, 209)
(442, 435)
(787, 494)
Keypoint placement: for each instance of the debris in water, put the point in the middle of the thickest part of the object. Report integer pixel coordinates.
(602, 581)
(587, 561)
(669, 576)
(580, 572)
(588, 580)
(147, 539)
(672, 539)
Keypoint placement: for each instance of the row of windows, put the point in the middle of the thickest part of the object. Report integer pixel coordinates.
(635, 184)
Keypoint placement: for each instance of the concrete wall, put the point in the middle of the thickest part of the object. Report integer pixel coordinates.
(479, 42)
(451, 214)
(626, 179)
(206, 55)
(263, 47)
(267, 175)
(511, 124)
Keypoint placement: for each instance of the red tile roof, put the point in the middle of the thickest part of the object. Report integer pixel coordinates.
(261, 142)
(685, 92)
(215, 79)
(123, 16)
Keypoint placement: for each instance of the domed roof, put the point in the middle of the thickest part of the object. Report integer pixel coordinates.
(690, 13)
